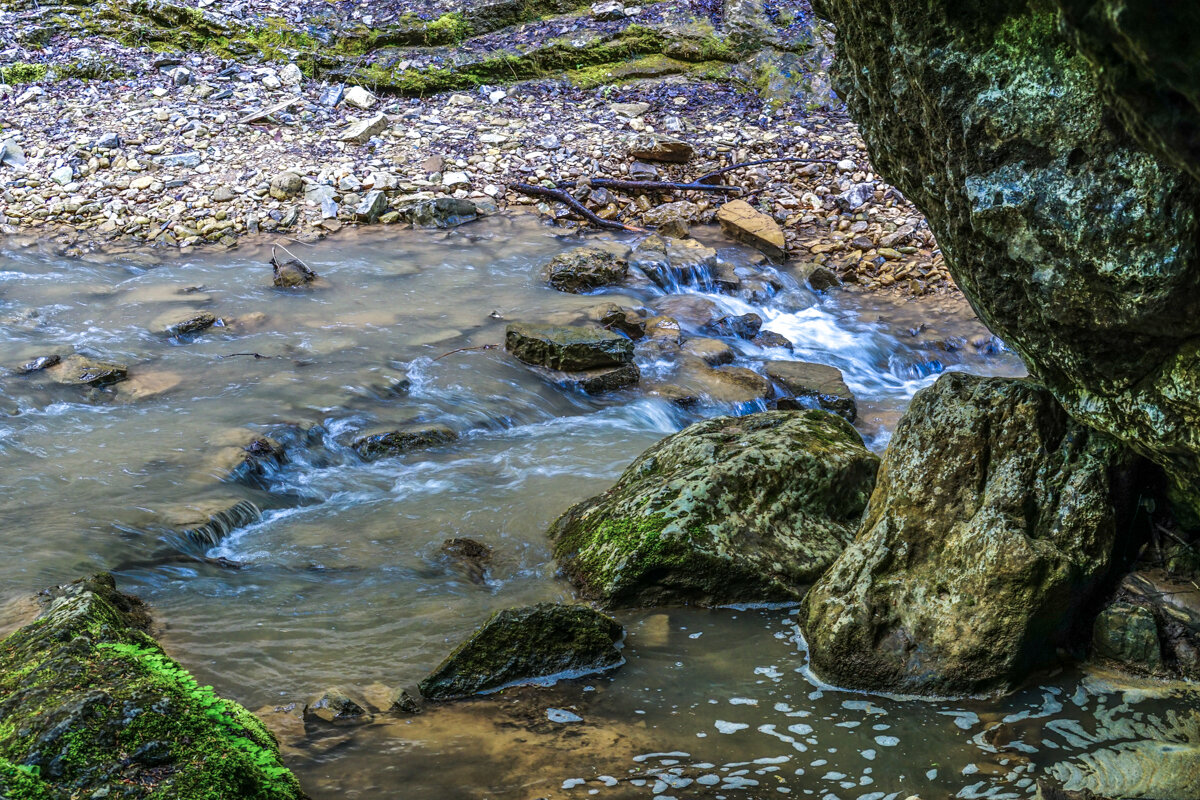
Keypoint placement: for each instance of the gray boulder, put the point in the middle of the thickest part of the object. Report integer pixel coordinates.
(571, 349)
(988, 537)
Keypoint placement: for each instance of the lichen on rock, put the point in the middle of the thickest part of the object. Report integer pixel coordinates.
(986, 545)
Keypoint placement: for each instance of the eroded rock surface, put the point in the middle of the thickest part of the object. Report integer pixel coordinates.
(988, 538)
(730, 509)
(1053, 148)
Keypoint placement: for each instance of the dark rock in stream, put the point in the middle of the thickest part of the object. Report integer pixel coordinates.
(987, 540)
(528, 645)
(728, 510)
(571, 349)
(745, 326)
(594, 381)
(396, 442)
(585, 269)
(1128, 633)
(95, 708)
(182, 323)
(1054, 148)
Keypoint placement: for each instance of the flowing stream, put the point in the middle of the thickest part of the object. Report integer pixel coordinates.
(342, 580)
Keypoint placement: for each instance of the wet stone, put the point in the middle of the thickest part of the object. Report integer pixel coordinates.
(1128, 633)
(390, 443)
(570, 349)
(822, 383)
(336, 706)
(585, 269)
(532, 644)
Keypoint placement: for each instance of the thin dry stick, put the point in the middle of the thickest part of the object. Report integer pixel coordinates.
(290, 253)
(785, 160)
(660, 186)
(467, 349)
(576, 206)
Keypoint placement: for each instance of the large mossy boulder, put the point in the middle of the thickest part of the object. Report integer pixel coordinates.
(1053, 146)
(986, 545)
(534, 644)
(731, 509)
(90, 706)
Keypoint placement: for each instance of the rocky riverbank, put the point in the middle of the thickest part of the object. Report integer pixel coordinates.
(189, 127)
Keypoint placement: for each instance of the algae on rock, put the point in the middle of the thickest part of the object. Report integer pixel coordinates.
(731, 509)
(90, 706)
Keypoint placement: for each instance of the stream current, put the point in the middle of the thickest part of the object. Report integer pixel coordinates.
(342, 580)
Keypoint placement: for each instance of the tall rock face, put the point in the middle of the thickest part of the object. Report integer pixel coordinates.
(987, 541)
(1053, 145)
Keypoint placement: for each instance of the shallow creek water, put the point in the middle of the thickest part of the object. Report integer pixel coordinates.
(342, 581)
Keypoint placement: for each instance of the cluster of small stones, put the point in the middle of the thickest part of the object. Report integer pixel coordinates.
(179, 152)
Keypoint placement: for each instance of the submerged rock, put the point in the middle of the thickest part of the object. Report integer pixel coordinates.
(570, 349)
(731, 509)
(585, 269)
(526, 645)
(101, 711)
(208, 522)
(988, 536)
(1071, 225)
(822, 383)
(386, 444)
(38, 364)
(83, 371)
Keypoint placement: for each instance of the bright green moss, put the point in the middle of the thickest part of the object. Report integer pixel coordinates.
(113, 705)
(22, 72)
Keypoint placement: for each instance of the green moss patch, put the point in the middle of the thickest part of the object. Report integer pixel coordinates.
(91, 704)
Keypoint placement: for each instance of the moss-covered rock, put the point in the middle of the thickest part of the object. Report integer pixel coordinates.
(1053, 146)
(526, 645)
(989, 536)
(731, 509)
(90, 706)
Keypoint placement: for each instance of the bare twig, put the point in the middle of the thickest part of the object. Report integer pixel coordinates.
(1176, 538)
(256, 355)
(467, 349)
(660, 186)
(575, 206)
(786, 160)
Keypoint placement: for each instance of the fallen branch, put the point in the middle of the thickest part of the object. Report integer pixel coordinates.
(786, 160)
(659, 186)
(467, 349)
(256, 355)
(576, 206)
(263, 113)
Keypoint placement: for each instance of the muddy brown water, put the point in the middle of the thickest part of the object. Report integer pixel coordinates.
(342, 582)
